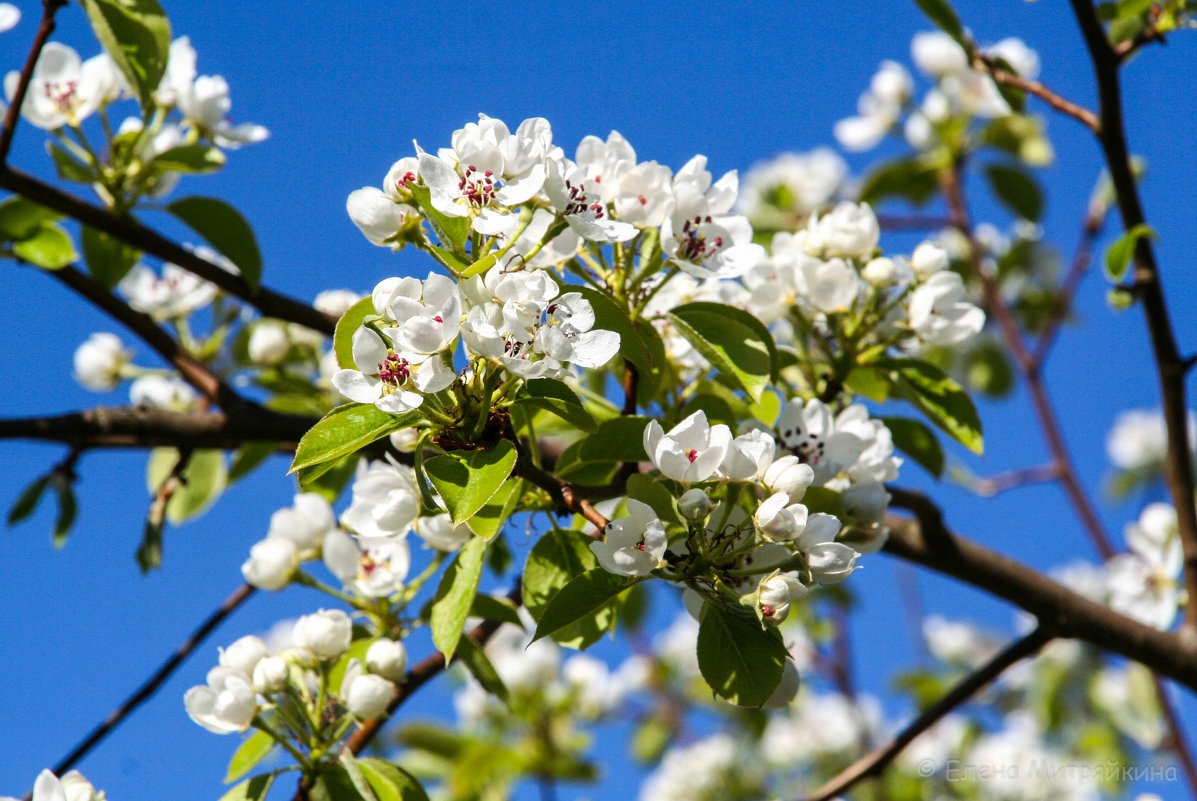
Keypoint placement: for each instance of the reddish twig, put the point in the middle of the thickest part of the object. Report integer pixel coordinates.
(13, 116)
(1000, 75)
(872, 764)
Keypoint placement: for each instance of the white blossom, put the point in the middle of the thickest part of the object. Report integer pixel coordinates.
(99, 360)
(632, 545)
(270, 674)
(691, 451)
(375, 566)
(226, 704)
(366, 695)
(162, 392)
(244, 654)
(940, 312)
(271, 563)
(780, 520)
(385, 501)
(387, 658)
(326, 633)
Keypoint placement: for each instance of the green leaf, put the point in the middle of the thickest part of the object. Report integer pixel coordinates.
(21, 218)
(466, 480)
(912, 179)
(581, 598)
(1017, 191)
(248, 754)
(489, 520)
(49, 247)
(390, 782)
(254, 789)
(225, 229)
(1121, 253)
(916, 441)
(942, 400)
(480, 667)
(350, 321)
(868, 381)
(942, 14)
(345, 430)
(646, 489)
(335, 784)
(108, 258)
(488, 607)
(69, 168)
(738, 344)
(149, 552)
(356, 777)
(204, 479)
(191, 158)
(328, 478)
(68, 509)
(620, 439)
(558, 557)
(27, 501)
(455, 596)
(739, 660)
(452, 231)
(556, 398)
(248, 457)
(136, 34)
(481, 266)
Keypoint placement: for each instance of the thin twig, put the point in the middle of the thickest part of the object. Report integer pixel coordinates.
(13, 116)
(129, 230)
(1079, 113)
(1169, 364)
(1012, 479)
(1082, 259)
(872, 764)
(155, 681)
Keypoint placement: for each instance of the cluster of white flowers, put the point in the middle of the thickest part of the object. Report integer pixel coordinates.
(72, 786)
(797, 183)
(959, 90)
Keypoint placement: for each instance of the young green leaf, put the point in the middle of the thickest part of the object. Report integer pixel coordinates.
(455, 596)
(489, 520)
(225, 229)
(252, 751)
(254, 789)
(735, 342)
(488, 607)
(481, 668)
(390, 782)
(467, 480)
(620, 439)
(452, 231)
(350, 321)
(942, 400)
(646, 489)
(27, 502)
(1120, 254)
(1017, 191)
(69, 168)
(739, 660)
(916, 441)
(21, 218)
(108, 258)
(581, 598)
(942, 14)
(49, 247)
(344, 430)
(136, 34)
(68, 509)
(911, 179)
(356, 777)
(191, 158)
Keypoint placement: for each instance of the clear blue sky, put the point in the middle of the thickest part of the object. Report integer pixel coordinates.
(344, 88)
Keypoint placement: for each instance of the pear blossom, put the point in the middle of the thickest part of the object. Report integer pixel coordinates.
(270, 675)
(438, 532)
(387, 658)
(780, 520)
(1139, 439)
(227, 704)
(304, 523)
(268, 342)
(795, 182)
(645, 195)
(632, 545)
(691, 451)
(99, 360)
(694, 504)
(374, 566)
(385, 501)
(877, 109)
(64, 89)
(48, 787)
(366, 695)
(828, 286)
(703, 240)
(849, 230)
(787, 689)
(748, 456)
(789, 475)
(936, 53)
(865, 504)
(162, 392)
(10, 15)
(335, 302)
(271, 563)
(206, 103)
(811, 433)
(394, 382)
(940, 313)
(928, 259)
(377, 215)
(830, 562)
(776, 593)
(326, 633)
(427, 314)
(244, 654)
(1144, 583)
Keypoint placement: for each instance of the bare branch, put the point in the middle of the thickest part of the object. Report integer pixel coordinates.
(127, 229)
(13, 116)
(871, 765)
(1170, 365)
(1000, 75)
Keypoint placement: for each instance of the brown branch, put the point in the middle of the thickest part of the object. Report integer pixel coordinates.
(1124, 50)
(871, 765)
(129, 230)
(151, 685)
(1000, 75)
(194, 372)
(928, 542)
(1170, 364)
(1044, 411)
(13, 116)
(1176, 734)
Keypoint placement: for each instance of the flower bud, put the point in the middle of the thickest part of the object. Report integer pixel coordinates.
(98, 362)
(880, 272)
(376, 215)
(779, 522)
(244, 654)
(335, 302)
(776, 593)
(270, 675)
(404, 440)
(268, 343)
(928, 259)
(388, 659)
(789, 475)
(327, 633)
(271, 563)
(365, 694)
(77, 788)
(694, 505)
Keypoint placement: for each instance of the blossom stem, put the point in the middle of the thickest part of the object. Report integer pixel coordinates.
(260, 723)
(306, 580)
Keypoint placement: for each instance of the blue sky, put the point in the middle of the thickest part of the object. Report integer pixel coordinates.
(344, 89)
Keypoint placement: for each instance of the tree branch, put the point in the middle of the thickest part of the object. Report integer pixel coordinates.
(871, 765)
(129, 230)
(928, 542)
(13, 116)
(1170, 365)
(1079, 113)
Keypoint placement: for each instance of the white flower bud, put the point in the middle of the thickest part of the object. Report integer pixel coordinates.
(336, 302)
(928, 259)
(327, 633)
(375, 214)
(227, 704)
(777, 520)
(366, 694)
(98, 362)
(387, 658)
(270, 675)
(880, 272)
(694, 505)
(776, 593)
(271, 563)
(268, 342)
(244, 654)
(789, 475)
(404, 440)
(76, 787)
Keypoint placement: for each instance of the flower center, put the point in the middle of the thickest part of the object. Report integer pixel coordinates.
(62, 94)
(394, 370)
(766, 610)
(692, 455)
(579, 203)
(478, 187)
(809, 448)
(694, 245)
